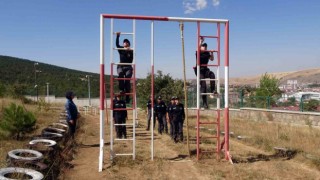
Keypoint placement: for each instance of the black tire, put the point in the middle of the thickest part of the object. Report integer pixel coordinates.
(35, 175)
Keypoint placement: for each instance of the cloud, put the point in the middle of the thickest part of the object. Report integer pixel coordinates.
(215, 2)
(190, 6)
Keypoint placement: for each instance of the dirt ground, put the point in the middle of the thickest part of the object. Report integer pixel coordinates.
(171, 160)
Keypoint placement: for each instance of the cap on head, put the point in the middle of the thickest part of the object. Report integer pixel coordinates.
(176, 98)
(159, 97)
(126, 41)
(173, 98)
(204, 45)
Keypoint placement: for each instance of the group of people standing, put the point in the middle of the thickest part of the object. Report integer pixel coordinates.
(172, 114)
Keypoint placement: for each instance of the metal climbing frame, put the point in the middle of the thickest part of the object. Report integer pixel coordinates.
(152, 19)
(217, 110)
(133, 105)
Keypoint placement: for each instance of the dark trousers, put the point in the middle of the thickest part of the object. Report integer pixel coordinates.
(177, 130)
(122, 129)
(72, 128)
(124, 85)
(206, 73)
(171, 128)
(149, 119)
(162, 123)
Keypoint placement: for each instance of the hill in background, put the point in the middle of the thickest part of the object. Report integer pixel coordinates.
(308, 76)
(22, 71)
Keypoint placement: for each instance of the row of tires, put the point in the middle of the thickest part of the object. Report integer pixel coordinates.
(41, 153)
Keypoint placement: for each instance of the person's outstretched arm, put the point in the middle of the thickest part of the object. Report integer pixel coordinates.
(117, 40)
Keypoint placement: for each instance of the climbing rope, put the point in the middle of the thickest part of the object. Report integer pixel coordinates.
(185, 85)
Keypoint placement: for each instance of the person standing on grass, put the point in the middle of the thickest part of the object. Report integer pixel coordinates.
(178, 117)
(169, 115)
(72, 113)
(205, 72)
(124, 71)
(160, 108)
(150, 114)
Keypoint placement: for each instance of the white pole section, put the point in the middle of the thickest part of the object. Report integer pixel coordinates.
(152, 92)
(134, 109)
(111, 85)
(101, 93)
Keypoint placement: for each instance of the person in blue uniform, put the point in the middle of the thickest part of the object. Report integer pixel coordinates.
(149, 115)
(160, 110)
(120, 115)
(205, 72)
(72, 113)
(169, 115)
(178, 117)
(124, 71)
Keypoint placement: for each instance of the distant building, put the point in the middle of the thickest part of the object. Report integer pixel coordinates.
(306, 96)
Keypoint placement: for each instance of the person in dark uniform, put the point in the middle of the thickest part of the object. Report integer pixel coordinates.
(124, 71)
(120, 115)
(160, 110)
(169, 115)
(205, 72)
(149, 115)
(72, 113)
(178, 117)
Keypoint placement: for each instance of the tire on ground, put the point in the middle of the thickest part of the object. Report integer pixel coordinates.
(47, 142)
(15, 155)
(35, 175)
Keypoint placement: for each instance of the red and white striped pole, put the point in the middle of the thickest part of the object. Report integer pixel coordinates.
(102, 93)
(226, 94)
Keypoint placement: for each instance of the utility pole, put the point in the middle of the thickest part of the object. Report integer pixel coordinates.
(48, 92)
(35, 79)
(89, 92)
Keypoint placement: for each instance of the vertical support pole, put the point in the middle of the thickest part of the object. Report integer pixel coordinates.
(48, 92)
(218, 90)
(101, 93)
(226, 93)
(198, 90)
(111, 89)
(134, 91)
(152, 90)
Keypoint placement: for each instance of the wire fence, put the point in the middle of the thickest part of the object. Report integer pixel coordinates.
(237, 101)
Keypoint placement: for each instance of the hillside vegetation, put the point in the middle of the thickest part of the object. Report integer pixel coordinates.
(306, 76)
(21, 72)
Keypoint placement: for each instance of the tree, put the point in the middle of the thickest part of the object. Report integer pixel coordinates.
(164, 85)
(269, 87)
(17, 120)
(311, 105)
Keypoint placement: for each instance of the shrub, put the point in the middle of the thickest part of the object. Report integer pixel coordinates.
(16, 120)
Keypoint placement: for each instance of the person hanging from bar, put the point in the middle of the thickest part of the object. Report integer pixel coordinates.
(205, 72)
(178, 117)
(120, 115)
(124, 71)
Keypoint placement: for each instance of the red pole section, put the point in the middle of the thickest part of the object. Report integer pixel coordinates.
(111, 87)
(102, 88)
(117, 16)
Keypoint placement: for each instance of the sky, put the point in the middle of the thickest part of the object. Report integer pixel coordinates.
(265, 35)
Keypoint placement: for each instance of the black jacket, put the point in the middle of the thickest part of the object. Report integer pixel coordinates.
(178, 112)
(117, 104)
(160, 108)
(126, 56)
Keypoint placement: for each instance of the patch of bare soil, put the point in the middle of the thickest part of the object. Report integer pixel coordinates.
(171, 160)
